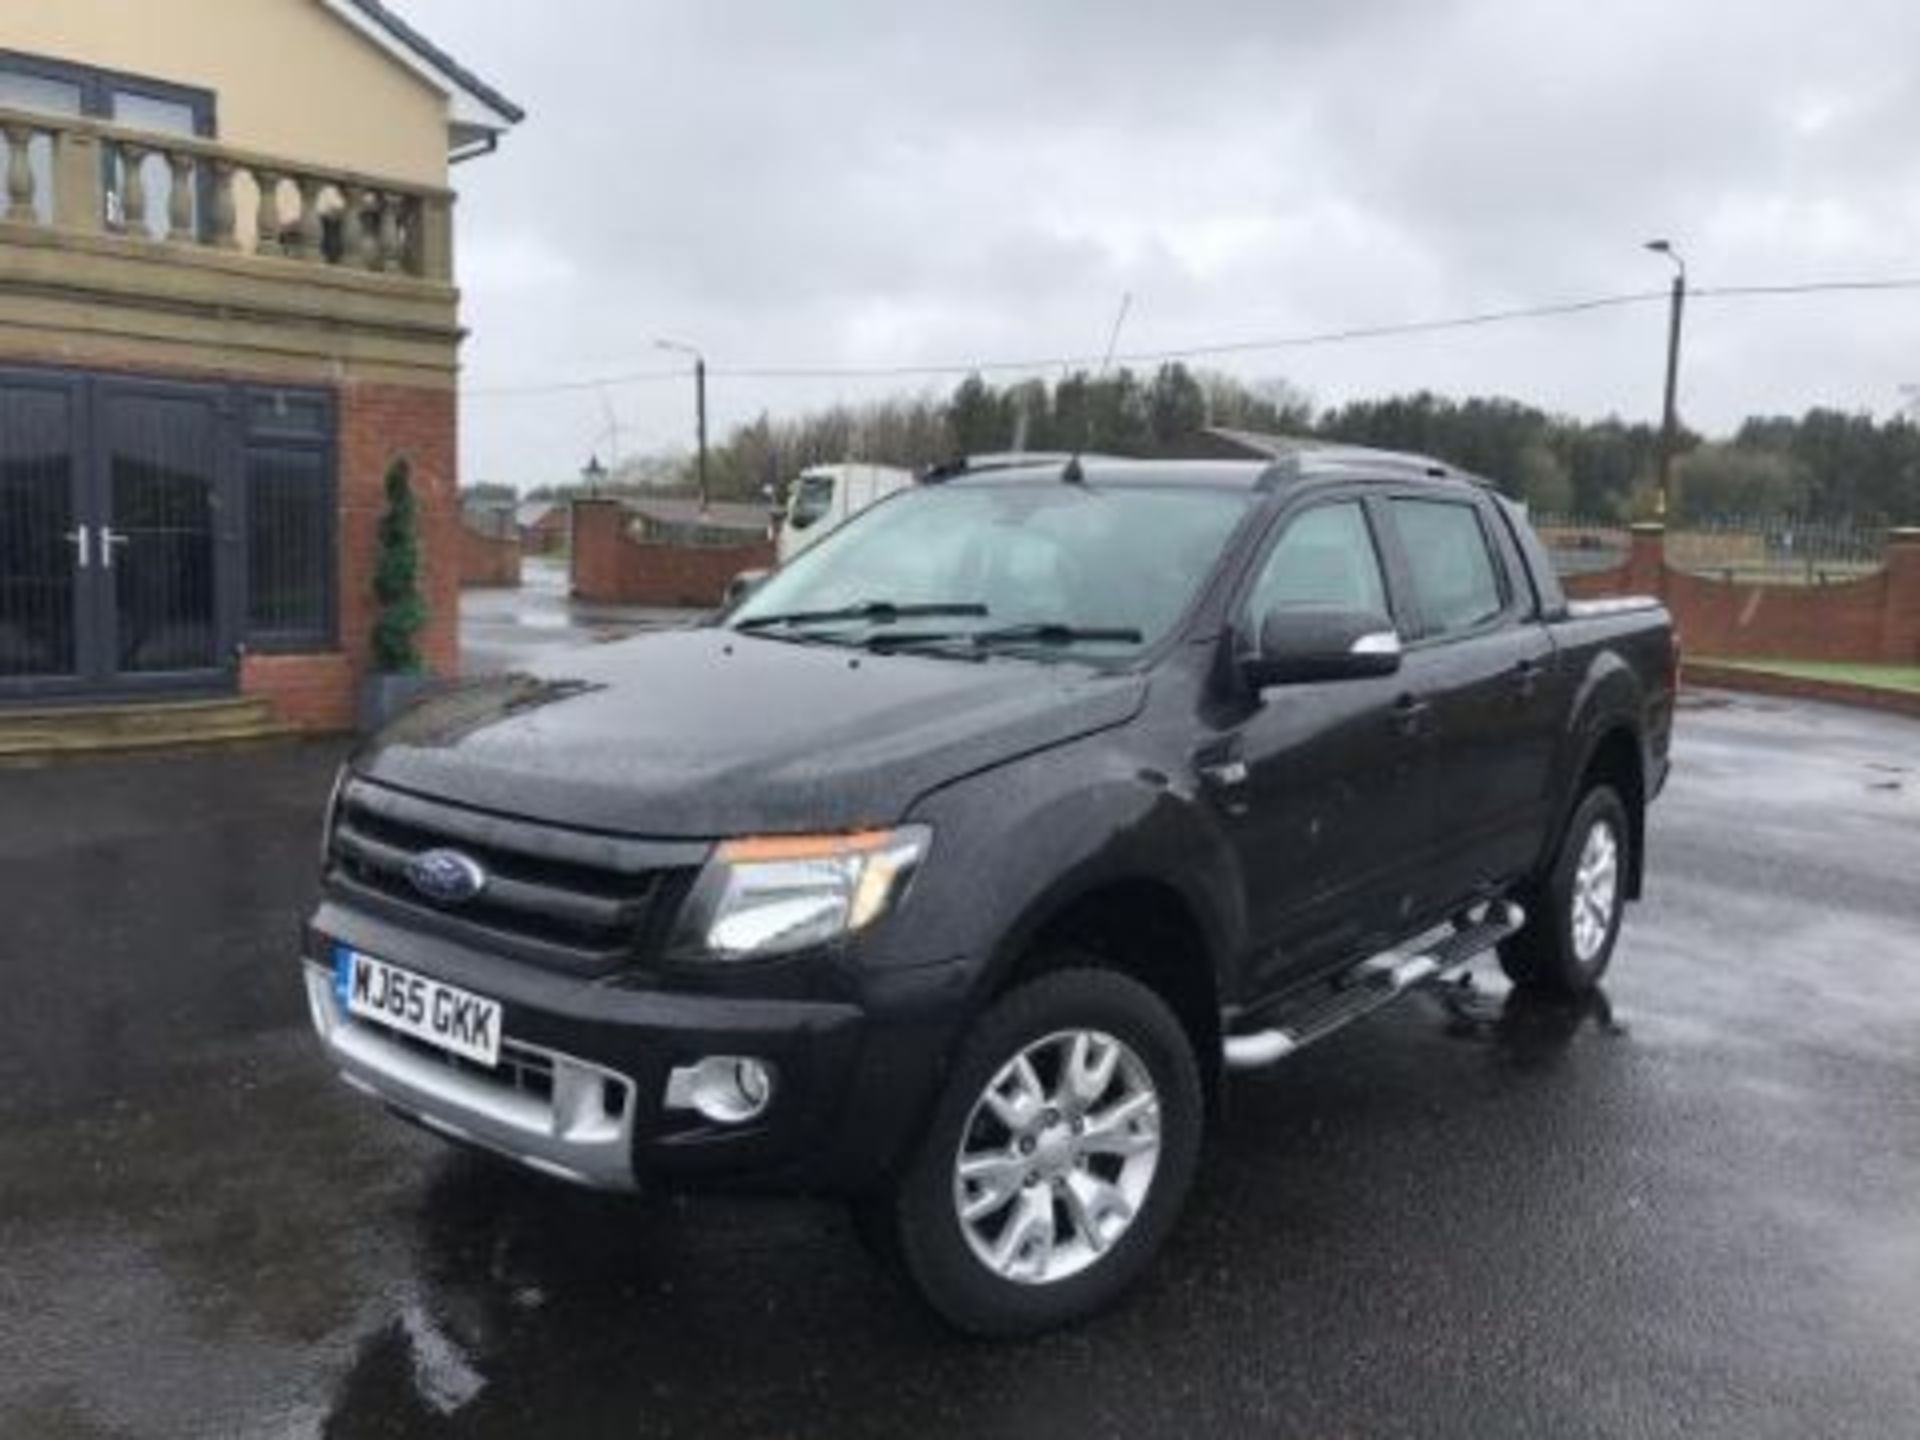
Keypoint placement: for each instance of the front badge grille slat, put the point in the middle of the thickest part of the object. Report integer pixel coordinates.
(584, 901)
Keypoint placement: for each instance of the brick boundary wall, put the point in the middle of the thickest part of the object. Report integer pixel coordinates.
(488, 561)
(1870, 621)
(1802, 687)
(610, 567)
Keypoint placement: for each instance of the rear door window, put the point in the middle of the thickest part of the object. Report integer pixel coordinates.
(1458, 584)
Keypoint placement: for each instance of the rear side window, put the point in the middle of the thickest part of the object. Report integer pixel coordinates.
(1456, 582)
(1325, 561)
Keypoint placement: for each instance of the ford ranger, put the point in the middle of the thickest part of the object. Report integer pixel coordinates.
(956, 867)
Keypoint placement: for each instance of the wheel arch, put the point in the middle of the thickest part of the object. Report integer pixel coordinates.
(1139, 925)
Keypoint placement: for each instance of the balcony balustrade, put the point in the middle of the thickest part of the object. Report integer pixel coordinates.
(79, 176)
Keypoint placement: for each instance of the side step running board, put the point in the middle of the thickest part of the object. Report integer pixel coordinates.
(1369, 985)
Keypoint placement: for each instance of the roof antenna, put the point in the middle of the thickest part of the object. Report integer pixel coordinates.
(1073, 474)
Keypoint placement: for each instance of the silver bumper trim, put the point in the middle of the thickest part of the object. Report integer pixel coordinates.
(572, 1132)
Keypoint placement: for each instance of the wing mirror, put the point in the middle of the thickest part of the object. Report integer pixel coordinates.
(743, 585)
(1295, 646)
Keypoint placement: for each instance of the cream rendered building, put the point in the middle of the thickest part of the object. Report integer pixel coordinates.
(227, 302)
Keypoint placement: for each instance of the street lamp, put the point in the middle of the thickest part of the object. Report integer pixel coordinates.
(1669, 421)
(699, 405)
(593, 472)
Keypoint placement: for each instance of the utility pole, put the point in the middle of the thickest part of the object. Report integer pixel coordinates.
(1670, 420)
(699, 408)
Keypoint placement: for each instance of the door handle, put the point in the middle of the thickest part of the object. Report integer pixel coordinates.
(1526, 677)
(109, 542)
(81, 538)
(1409, 713)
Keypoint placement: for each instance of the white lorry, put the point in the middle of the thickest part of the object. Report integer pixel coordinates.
(824, 497)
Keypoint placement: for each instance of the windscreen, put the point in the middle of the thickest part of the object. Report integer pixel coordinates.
(1058, 555)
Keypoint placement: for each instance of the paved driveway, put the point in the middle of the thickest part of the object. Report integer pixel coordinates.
(1693, 1211)
(500, 629)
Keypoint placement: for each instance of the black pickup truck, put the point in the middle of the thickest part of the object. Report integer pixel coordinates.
(956, 866)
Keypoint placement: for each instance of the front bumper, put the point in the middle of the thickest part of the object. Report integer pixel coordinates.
(581, 1092)
(554, 1113)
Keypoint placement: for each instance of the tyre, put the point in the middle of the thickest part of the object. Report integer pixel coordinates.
(1574, 911)
(1059, 1154)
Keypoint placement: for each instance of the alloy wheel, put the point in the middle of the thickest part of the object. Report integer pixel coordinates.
(1057, 1157)
(1596, 891)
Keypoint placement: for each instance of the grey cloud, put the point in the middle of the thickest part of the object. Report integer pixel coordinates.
(865, 182)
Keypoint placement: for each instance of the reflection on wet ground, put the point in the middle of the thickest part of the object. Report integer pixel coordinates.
(1690, 1206)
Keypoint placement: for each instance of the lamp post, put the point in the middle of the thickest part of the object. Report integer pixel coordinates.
(1669, 420)
(699, 405)
(593, 472)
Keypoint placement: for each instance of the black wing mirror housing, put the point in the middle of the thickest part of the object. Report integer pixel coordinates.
(743, 585)
(1302, 646)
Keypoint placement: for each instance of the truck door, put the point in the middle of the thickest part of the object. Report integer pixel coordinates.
(1481, 662)
(1329, 807)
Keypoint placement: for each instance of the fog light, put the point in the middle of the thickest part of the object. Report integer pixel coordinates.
(726, 1089)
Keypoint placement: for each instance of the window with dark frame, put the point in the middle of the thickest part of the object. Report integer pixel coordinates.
(62, 87)
(287, 475)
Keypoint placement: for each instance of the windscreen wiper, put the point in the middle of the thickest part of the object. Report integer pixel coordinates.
(880, 612)
(1053, 632)
(1048, 632)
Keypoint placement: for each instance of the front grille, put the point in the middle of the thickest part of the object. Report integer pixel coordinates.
(571, 898)
(521, 1068)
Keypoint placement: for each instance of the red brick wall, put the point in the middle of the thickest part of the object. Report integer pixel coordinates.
(1872, 620)
(488, 560)
(612, 568)
(378, 422)
(313, 692)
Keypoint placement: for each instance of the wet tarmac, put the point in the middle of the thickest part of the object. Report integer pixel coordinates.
(1693, 1210)
(503, 628)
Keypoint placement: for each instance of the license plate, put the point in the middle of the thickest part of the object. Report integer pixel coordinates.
(427, 1009)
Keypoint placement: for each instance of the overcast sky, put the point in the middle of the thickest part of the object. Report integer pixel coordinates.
(866, 183)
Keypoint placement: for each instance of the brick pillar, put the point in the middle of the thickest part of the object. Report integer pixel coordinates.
(1900, 615)
(1647, 559)
(599, 528)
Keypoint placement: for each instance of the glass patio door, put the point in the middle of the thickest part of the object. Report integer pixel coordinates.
(157, 557)
(117, 548)
(45, 604)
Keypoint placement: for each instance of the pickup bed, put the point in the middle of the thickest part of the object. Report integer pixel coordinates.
(957, 867)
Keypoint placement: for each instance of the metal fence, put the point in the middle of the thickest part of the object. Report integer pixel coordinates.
(1776, 550)
(1581, 546)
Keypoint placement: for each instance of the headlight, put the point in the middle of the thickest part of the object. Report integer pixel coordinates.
(331, 814)
(780, 893)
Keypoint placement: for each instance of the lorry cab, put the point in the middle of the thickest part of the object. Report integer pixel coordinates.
(824, 497)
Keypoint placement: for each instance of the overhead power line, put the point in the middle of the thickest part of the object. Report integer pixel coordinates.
(1347, 335)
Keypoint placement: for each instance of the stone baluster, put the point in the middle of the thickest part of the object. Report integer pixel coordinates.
(223, 219)
(391, 256)
(133, 190)
(267, 217)
(180, 170)
(363, 240)
(308, 232)
(20, 207)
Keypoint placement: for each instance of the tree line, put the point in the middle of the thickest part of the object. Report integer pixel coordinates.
(1826, 464)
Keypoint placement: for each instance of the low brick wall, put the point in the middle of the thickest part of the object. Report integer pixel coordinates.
(610, 567)
(311, 692)
(1870, 621)
(488, 560)
(1802, 687)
